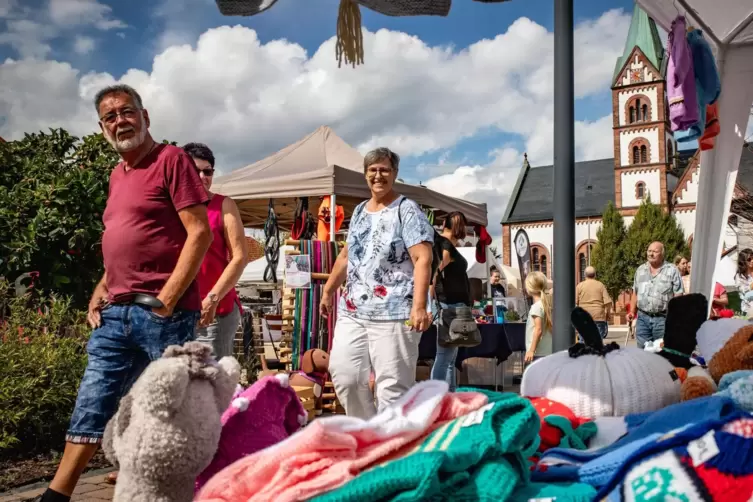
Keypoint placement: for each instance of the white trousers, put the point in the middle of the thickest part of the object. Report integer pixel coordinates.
(389, 348)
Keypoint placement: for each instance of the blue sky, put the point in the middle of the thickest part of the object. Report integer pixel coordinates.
(449, 137)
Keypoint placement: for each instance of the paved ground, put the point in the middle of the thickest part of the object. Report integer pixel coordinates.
(93, 488)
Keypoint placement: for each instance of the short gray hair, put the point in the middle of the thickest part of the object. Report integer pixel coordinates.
(590, 272)
(117, 89)
(380, 154)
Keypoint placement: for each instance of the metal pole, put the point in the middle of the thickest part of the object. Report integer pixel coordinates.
(332, 213)
(564, 170)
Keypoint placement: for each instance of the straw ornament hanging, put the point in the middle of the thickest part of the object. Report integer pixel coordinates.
(349, 43)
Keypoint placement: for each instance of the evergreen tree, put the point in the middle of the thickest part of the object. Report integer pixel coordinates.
(607, 256)
(652, 224)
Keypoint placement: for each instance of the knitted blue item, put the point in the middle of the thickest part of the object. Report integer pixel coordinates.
(738, 386)
(569, 492)
(595, 467)
(675, 416)
(735, 457)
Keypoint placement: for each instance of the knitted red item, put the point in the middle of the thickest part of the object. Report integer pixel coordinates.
(708, 139)
(484, 239)
(550, 435)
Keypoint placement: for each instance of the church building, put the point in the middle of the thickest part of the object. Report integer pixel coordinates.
(646, 162)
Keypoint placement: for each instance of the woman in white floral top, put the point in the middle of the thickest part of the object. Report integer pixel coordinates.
(386, 267)
(744, 279)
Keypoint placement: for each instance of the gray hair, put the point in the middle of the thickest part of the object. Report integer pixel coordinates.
(590, 272)
(116, 89)
(380, 154)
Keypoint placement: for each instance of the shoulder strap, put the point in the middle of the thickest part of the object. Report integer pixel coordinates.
(357, 212)
(400, 213)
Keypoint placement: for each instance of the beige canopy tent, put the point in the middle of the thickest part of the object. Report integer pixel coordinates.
(319, 164)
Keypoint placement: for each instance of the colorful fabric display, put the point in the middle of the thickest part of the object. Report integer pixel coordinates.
(681, 91)
(333, 450)
(324, 219)
(311, 330)
(262, 415)
(477, 457)
(738, 386)
(707, 83)
(560, 427)
(709, 461)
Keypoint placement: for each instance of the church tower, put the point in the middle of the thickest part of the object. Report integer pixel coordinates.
(643, 143)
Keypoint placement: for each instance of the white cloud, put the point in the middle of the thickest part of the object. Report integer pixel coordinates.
(83, 45)
(247, 99)
(30, 31)
(83, 12)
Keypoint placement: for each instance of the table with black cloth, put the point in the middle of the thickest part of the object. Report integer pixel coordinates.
(497, 341)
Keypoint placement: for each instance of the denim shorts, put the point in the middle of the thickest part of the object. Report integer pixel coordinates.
(130, 337)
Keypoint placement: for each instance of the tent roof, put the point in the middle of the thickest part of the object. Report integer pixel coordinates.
(727, 23)
(319, 164)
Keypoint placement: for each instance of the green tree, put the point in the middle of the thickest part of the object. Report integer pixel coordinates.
(53, 190)
(607, 256)
(651, 224)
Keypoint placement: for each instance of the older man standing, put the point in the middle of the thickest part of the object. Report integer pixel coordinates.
(156, 235)
(655, 283)
(592, 296)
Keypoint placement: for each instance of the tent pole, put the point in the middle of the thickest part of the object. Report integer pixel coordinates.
(332, 214)
(489, 273)
(564, 171)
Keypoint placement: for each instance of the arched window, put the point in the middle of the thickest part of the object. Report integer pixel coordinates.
(644, 154)
(670, 153)
(632, 115)
(637, 109)
(644, 113)
(640, 190)
(636, 155)
(539, 259)
(543, 266)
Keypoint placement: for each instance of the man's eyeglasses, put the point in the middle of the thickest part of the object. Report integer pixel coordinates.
(127, 113)
(207, 172)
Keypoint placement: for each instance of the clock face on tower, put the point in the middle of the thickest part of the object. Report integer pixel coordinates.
(521, 245)
(636, 76)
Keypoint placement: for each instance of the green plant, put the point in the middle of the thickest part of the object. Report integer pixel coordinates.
(42, 360)
(651, 224)
(512, 316)
(608, 254)
(53, 190)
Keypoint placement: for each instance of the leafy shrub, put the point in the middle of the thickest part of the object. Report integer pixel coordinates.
(512, 316)
(42, 360)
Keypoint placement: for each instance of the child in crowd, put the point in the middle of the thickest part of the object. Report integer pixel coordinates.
(539, 323)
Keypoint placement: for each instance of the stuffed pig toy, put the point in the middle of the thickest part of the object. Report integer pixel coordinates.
(167, 427)
(596, 380)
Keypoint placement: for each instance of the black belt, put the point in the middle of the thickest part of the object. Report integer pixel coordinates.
(139, 299)
(663, 313)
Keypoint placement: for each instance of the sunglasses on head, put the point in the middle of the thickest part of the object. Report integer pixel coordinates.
(207, 172)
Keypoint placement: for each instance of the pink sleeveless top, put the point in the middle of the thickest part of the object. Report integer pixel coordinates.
(216, 259)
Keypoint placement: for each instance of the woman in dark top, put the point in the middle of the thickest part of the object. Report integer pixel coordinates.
(451, 289)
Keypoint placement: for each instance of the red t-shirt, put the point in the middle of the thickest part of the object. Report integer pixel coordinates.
(143, 233)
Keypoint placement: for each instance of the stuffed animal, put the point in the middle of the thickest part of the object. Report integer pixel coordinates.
(560, 427)
(167, 427)
(727, 346)
(260, 416)
(313, 374)
(595, 380)
(685, 315)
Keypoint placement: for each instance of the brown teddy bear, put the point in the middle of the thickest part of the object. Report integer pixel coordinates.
(313, 374)
(727, 346)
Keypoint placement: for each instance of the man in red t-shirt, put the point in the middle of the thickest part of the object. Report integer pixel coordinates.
(156, 235)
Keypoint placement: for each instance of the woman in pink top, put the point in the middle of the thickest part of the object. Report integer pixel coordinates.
(223, 264)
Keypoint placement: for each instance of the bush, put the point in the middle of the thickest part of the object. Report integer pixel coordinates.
(42, 360)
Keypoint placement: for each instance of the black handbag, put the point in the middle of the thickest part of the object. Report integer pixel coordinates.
(457, 328)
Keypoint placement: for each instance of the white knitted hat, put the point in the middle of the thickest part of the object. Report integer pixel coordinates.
(712, 335)
(621, 382)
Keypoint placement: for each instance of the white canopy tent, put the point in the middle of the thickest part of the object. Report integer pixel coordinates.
(254, 271)
(728, 26)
